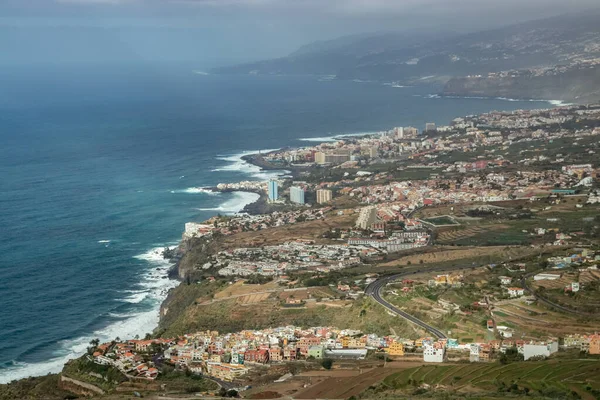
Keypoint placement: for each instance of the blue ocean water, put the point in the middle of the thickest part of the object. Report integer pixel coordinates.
(98, 169)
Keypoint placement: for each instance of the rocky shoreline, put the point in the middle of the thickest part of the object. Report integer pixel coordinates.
(258, 207)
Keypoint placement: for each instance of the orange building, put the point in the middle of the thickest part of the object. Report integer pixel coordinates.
(594, 344)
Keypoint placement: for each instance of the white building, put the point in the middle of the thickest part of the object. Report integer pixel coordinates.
(366, 218)
(544, 276)
(516, 291)
(474, 351)
(431, 354)
(297, 195)
(542, 349)
(505, 280)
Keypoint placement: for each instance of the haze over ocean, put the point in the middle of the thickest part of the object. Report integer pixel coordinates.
(97, 174)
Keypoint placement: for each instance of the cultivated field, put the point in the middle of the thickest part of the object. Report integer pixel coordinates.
(536, 321)
(563, 376)
(343, 387)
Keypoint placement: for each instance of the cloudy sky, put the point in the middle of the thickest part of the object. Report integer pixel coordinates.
(217, 32)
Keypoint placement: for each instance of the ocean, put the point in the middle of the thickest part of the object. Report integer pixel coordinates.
(99, 172)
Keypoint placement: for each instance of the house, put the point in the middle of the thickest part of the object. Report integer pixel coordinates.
(289, 354)
(505, 331)
(573, 340)
(356, 343)
(316, 352)
(505, 280)
(594, 344)
(516, 291)
(395, 349)
(431, 354)
(491, 325)
(275, 354)
(307, 341)
(474, 351)
(572, 287)
(226, 372)
(540, 349)
(257, 356)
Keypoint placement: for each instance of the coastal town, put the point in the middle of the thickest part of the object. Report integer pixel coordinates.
(229, 357)
(475, 242)
(300, 200)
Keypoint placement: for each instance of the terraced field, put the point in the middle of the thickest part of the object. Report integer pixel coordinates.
(451, 236)
(562, 376)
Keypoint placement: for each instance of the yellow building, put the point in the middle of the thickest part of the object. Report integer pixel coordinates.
(345, 341)
(396, 349)
(320, 157)
(355, 343)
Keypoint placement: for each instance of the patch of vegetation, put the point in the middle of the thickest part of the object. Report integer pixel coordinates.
(42, 387)
(185, 381)
(227, 316)
(442, 220)
(103, 376)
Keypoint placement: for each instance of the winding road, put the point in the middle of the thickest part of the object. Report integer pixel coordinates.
(374, 290)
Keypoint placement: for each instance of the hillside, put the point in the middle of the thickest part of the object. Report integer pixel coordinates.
(440, 57)
(579, 85)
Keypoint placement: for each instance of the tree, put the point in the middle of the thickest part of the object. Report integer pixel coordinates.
(327, 363)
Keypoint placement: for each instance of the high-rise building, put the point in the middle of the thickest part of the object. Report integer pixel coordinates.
(430, 127)
(410, 132)
(400, 132)
(332, 158)
(297, 195)
(367, 217)
(324, 196)
(273, 186)
(320, 157)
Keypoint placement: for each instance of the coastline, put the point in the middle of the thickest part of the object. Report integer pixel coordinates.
(253, 165)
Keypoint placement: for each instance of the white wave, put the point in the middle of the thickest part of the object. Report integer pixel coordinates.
(155, 288)
(135, 298)
(395, 85)
(196, 190)
(201, 73)
(559, 103)
(234, 205)
(103, 241)
(340, 136)
(238, 164)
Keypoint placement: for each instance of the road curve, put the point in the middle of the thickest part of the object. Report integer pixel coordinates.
(374, 290)
(550, 303)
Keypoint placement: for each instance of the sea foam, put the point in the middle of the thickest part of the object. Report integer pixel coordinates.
(337, 137)
(196, 190)
(234, 205)
(153, 289)
(236, 163)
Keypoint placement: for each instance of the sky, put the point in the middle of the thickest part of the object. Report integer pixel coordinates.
(208, 33)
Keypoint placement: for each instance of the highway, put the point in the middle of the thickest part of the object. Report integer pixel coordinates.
(374, 290)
